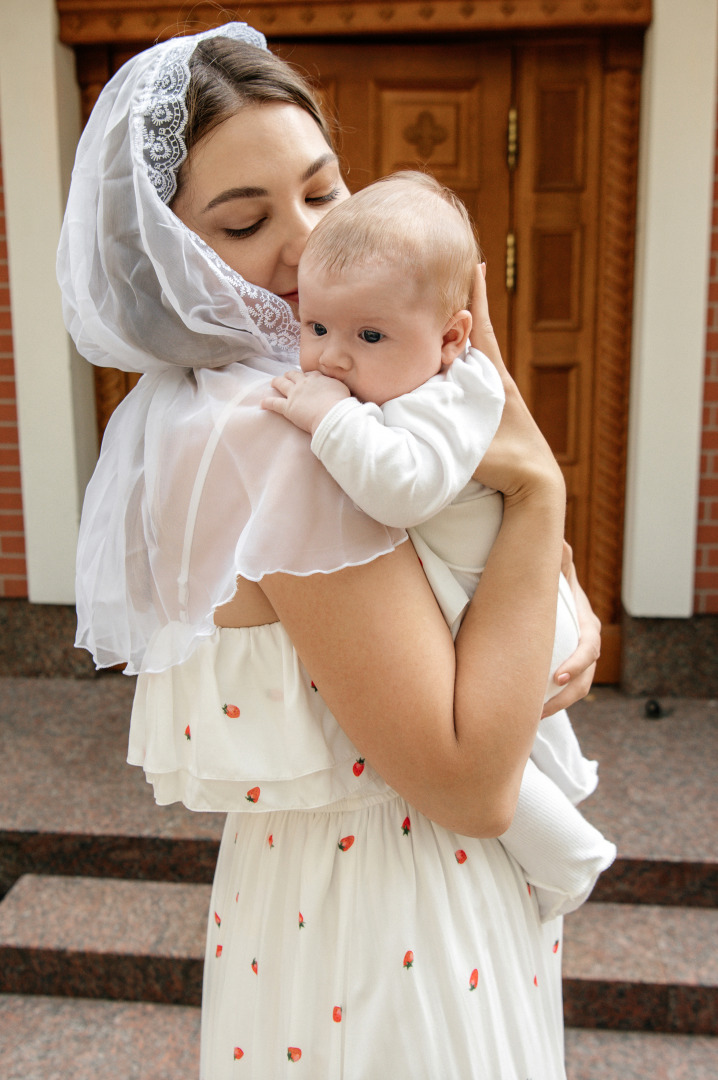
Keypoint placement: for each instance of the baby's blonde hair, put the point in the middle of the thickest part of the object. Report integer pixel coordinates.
(408, 219)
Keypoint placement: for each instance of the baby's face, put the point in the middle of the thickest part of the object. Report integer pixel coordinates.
(369, 327)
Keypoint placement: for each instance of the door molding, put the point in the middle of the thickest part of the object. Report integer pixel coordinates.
(85, 22)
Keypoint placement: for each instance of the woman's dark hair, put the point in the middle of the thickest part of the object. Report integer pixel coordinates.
(226, 74)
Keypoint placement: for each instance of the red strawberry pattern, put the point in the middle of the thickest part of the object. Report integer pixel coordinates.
(231, 711)
(406, 826)
(270, 840)
(314, 687)
(535, 980)
(337, 1014)
(217, 919)
(238, 1053)
(255, 965)
(358, 766)
(187, 733)
(474, 979)
(345, 843)
(302, 923)
(293, 1053)
(555, 945)
(219, 951)
(460, 856)
(408, 959)
(252, 795)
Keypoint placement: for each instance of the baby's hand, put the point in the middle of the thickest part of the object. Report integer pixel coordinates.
(306, 399)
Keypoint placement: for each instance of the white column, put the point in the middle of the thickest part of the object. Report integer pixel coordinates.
(673, 242)
(39, 126)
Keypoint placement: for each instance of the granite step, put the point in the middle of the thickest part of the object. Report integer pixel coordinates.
(625, 967)
(53, 1038)
(50, 1038)
(69, 803)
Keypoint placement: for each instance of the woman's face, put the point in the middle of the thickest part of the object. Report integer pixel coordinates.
(255, 187)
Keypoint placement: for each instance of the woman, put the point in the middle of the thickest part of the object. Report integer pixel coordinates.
(295, 669)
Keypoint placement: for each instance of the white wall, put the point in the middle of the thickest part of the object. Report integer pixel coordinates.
(674, 217)
(56, 412)
(39, 126)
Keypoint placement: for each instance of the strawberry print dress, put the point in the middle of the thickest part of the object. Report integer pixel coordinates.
(349, 937)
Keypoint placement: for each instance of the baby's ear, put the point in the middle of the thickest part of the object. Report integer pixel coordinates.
(455, 335)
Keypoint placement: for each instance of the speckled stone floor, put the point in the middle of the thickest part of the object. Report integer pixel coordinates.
(70, 805)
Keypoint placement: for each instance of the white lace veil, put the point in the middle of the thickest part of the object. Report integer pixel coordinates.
(195, 483)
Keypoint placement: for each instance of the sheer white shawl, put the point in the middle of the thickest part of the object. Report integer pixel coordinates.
(195, 483)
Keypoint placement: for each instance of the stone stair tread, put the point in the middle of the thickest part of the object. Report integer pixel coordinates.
(636, 1055)
(51, 1038)
(63, 768)
(73, 914)
(55, 1038)
(657, 798)
(642, 944)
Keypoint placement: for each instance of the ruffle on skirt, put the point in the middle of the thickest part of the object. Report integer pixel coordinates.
(240, 726)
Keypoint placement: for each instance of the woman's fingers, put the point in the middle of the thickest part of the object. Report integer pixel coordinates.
(483, 337)
(577, 673)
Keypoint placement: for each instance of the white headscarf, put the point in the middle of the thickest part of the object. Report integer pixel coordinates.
(195, 483)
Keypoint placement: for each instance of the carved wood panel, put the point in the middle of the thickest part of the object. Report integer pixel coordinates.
(557, 195)
(439, 107)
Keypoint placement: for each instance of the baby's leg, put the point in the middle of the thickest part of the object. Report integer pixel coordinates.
(560, 853)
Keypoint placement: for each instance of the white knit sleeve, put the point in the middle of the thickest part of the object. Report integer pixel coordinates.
(403, 462)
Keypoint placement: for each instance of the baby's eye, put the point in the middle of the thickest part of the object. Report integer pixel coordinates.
(370, 336)
(319, 329)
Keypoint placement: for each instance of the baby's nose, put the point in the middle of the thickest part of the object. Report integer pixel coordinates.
(334, 358)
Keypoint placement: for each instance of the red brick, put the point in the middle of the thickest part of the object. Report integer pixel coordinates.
(10, 479)
(11, 565)
(5, 320)
(9, 456)
(7, 388)
(707, 579)
(710, 440)
(711, 558)
(707, 534)
(14, 588)
(7, 366)
(4, 271)
(10, 500)
(12, 545)
(11, 522)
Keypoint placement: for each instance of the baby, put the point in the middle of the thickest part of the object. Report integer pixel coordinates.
(401, 410)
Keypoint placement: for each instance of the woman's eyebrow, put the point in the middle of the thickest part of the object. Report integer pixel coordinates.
(235, 193)
(258, 193)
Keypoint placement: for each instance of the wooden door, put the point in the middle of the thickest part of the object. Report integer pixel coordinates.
(440, 107)
(515, 130)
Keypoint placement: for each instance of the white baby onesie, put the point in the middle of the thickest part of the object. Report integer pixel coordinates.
(409, 463)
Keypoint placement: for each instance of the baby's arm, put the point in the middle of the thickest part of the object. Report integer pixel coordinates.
(404, 462)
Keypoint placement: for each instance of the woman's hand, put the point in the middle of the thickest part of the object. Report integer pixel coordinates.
(519, 461)
(577, 673)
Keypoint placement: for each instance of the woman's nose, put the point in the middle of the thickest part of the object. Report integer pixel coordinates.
(298, 232)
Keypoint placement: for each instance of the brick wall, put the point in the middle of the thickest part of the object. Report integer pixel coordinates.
(706, 583)
(13, 574)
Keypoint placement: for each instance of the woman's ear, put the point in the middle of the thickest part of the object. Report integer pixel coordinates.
(455, 335)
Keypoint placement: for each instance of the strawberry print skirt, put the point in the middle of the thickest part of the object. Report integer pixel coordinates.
(352, 944)
(349, 937)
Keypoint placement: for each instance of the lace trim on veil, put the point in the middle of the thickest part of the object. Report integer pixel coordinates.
(159, 123)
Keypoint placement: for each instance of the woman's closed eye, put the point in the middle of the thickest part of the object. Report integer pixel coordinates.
(239, 234)
(371, 336)
(330, 196)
